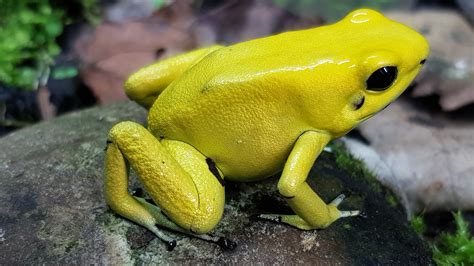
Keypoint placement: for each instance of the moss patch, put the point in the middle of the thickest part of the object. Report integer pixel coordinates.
(456, 248)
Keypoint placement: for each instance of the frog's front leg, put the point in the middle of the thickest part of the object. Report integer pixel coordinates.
(189, 196)
(311, 211)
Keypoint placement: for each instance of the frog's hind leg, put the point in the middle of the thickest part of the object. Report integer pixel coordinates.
(163, 221)
(175, 175)
(118, 198)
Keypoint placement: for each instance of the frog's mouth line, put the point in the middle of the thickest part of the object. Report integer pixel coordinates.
(370, 115)
(385, 107)
(366, 117)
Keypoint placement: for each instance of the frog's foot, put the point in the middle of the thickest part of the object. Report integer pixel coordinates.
(335, 202)
(163, 221)
(221, 241)
(293, 220)
(170, 243)
(300, 223)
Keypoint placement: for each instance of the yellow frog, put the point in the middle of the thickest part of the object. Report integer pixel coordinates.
(249, 110)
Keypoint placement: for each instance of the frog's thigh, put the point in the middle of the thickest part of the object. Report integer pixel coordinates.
(171, 186)
(116, 190)
(210, 190)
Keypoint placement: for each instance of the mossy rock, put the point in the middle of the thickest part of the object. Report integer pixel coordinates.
(52, 208)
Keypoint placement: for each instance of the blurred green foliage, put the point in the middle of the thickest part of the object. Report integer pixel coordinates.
(90, 11)
(28, 32)
(64, 72)
(157, 4)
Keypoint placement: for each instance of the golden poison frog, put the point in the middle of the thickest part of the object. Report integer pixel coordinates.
(247, 111)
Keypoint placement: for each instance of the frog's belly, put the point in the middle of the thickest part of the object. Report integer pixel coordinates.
(244, 155)
(248, 156)
(246, 145)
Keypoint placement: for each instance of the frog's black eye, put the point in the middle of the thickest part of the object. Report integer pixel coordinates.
(382, 78)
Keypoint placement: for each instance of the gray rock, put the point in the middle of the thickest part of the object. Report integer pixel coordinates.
(428, 156)
(467, 7)
(52, 210)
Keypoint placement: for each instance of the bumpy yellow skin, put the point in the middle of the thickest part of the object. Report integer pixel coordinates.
(255, 108)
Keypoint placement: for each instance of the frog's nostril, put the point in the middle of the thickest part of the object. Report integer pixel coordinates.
(358, 104)
(422, 62)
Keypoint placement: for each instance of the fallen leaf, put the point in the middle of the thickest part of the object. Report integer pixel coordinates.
(449, 70)
(114, 51)
(427, 158)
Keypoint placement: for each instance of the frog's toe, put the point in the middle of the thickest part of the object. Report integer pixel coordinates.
(350, 213)
(171, 245)
(223, 242)
(338, 200)
(327, 149)
(170, 242)
(138, 192)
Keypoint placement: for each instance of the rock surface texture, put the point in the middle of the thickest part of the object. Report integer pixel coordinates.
(52, 208)
(426, 157)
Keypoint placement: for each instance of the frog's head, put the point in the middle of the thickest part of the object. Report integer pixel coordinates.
(372, 60)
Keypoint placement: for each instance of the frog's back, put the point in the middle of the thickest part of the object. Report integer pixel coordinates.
(230, 114)
(249, 73)
(244, 126)
(241, 105)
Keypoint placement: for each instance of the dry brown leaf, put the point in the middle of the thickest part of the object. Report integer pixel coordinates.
(107, 88)
(114, 51)
(449, 70)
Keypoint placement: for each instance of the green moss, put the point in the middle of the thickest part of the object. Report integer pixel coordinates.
(353, 165)
(418, 224)
(112, 223)
(357, 168)
(450, 249)
(392, 200)
(70, 246)
(60, 243)
(457, 248)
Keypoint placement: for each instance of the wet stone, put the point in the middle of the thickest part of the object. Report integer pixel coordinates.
(52, 208)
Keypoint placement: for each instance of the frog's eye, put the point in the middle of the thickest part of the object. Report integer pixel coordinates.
(382, 78)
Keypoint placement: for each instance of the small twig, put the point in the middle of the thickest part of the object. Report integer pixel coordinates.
(47, 109)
